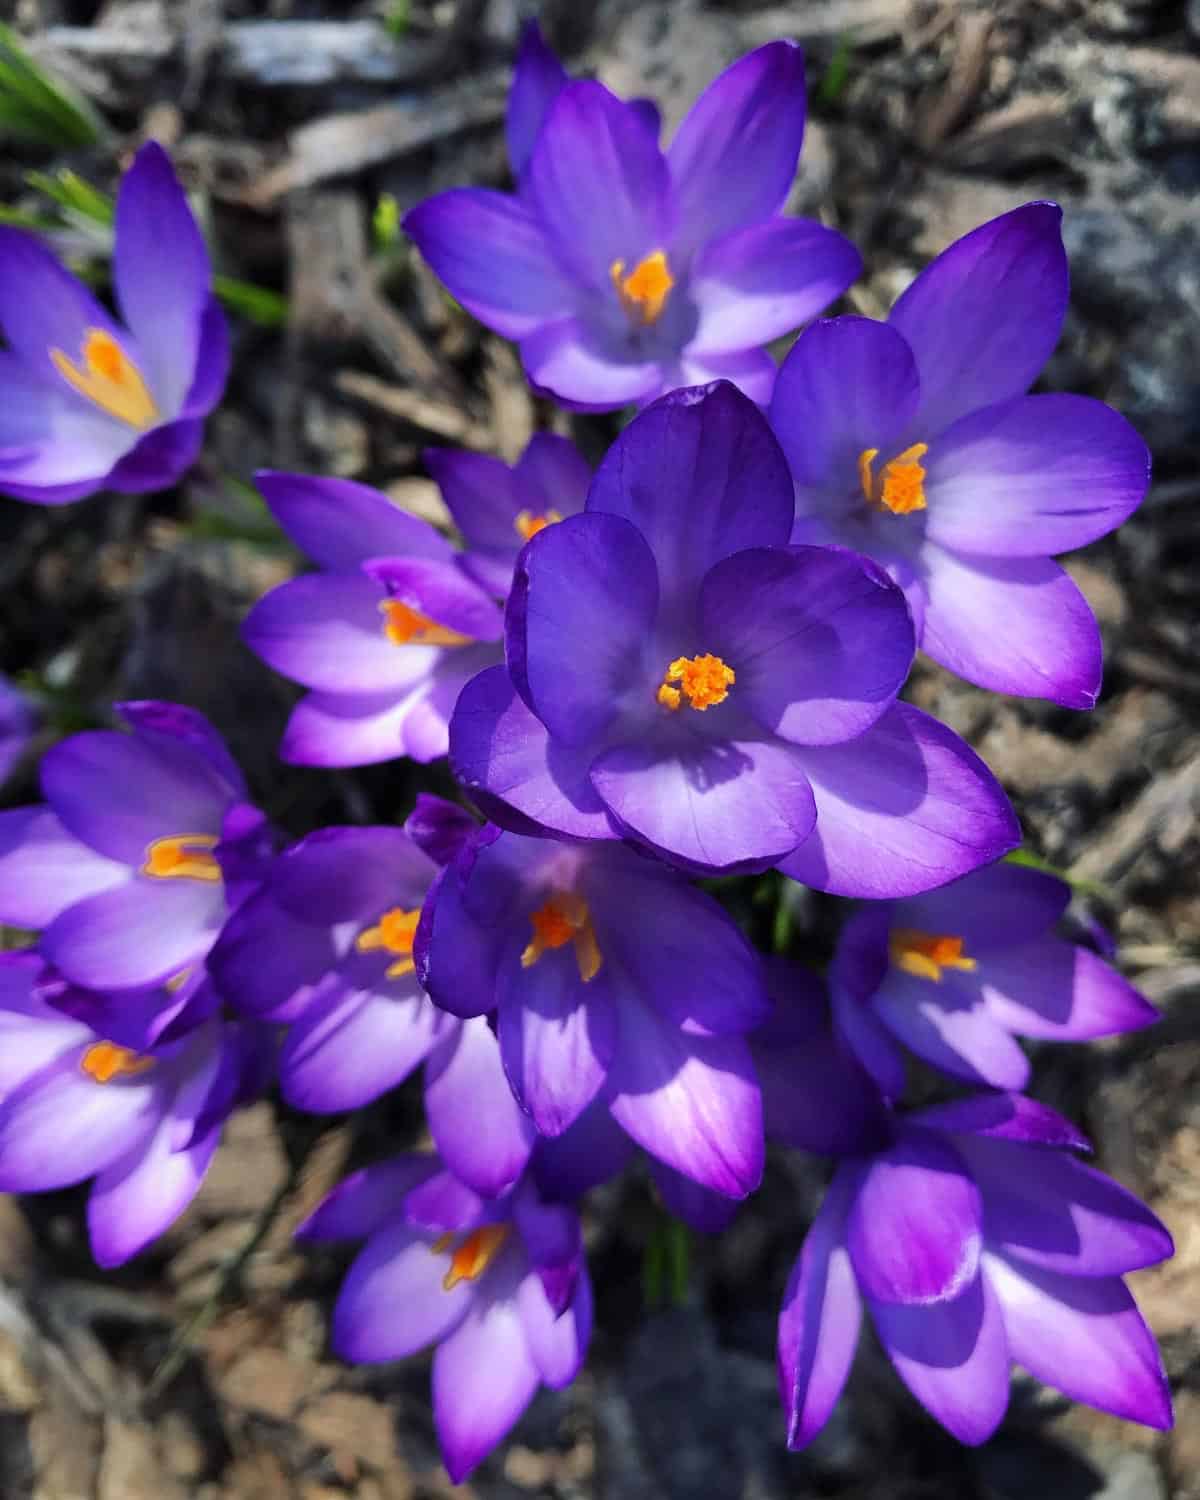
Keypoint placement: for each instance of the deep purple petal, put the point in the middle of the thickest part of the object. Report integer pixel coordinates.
(168, 724)
(821, 640)
(947, 1024)
(339, 524)
(392, 1302)
(478, 489)
(592, 1151)
(350, 874)
(1033, 476)
(212, 362)
(1052, 989)
(136, 934)
(763, 280)
(43, 307)
(161, 274)
(1005, 1116)
(699, 1207)
(996, 909)
(1084, 1337)
(905, 807)
(441, 591)
(915, 1229)
(44, 869)
(538, 79)
(734, 156)
(1014, 625)
(869, 1041)
(551, 474)
(438, 828)
(464, 1085)
(819, 1321)
(847, 384)
(158, 460)
(494, 258)
(368, 1199)
(266, 961)
(444, 1201)
(984, 316)
(140, 1196)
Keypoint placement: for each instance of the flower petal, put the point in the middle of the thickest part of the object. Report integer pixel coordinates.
(538, 79)
(734, 155)
(763, 280)
(494, 258)
(948, 1025)
(1033, 476)
(266, 961)
(136, 934)
(212, 363)
(1084, 1337)
(393, 1302)
(821, 639)
(340, 524)
(44, 869)
(479, 492)
(557, 1341)
(44, 307)
(464, 1084)
(1052, 989)
(1005, 1116)
(819, 1320)
(1014, 625)
(140, 1196)
(902, 808)
(983, 317)
(350, 874)
(573, 362)
(367, 1200)
(996, 909)
(592, 1151)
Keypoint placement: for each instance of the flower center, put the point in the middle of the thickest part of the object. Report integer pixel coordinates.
(474, 1255)
(104, 1061)
(406, 627)
(394, 933)
(702, 680)
(183, 856)
(527, 524)
(926, 954)
(110, 379)
(564, 919)
(643, 293)
(900, 487)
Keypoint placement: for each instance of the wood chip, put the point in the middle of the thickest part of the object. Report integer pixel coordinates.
(942, 108)
(1030, 129)
(441, 418)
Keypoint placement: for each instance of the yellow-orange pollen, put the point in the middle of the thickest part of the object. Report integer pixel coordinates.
(644, 292)
(104, 1061)
(184, 856)
(702, 680)
(900, 486)
(527, 524)
(407, 627)
(109, 378)
(474, 1255)
(926, 954)
(394, 933)
(564, 919)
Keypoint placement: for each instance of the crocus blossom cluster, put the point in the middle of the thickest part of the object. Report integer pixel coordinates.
(685, 664)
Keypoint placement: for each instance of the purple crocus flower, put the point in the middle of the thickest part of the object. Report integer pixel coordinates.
(145, 843)
(499, 1287)
(977, 1241)
(611, 978)
(678, 674)
(18, 721)
(958, 973)
(89, 403)
(498, 508)
(144, 1123)
(624, 271)
(385, 634)
(949, 475)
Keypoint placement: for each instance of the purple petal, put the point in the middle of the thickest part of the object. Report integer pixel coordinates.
(163, 296)
(584, 600)
(763, 280)
(499, 747)
(444, 1201)
(169, 724)
(996, 909)
(212, 363)
(699, 1207)
(584, 371)
(821, 640)
(592, 1151)
(137, 934)
(392, 1302)
(44, 307)
(484, 1375)
(464, 1084)
(479, 491)
(494, 258)
(734, 155)
(438, 828)
(1015, 625)
(44, 869)
(691, 1101)
(905, 807)
(701, 477)
(819, 1321)
(350, 874)
(551, 474)
(538, 79)
(340, 524)
(266, 961)
(441, 591)
(557, 1341)
(915, 1229)
(32, 1033)
(1034, 476)
(367, 1200)
(847, 384)
(54, 447)
(946, 1023)
(557, 1035)
(1052, 989)
(139, 1197)
(752, 371)
(953, 1357)
(984, 316)
(1005, 1116)
(869, 1042)
(158, 460)
(599, 185)
(1085, 1338)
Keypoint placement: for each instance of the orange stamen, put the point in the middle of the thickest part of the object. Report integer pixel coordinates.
(527, 524)
(926, 954)
(902, 489)
(104, 1061)
(407, 627)
(564, 919)
(107, 377)
(182, 856)
(703, 680)
(644, 292)
(394, 932)
(474, 1255)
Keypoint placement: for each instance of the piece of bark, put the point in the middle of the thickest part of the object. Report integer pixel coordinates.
(941, 108)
